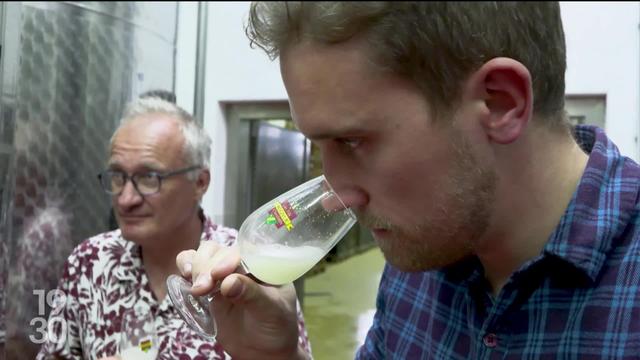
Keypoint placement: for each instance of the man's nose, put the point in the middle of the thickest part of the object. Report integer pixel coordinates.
(344, 183)
(129, 196)
(350, 193)
(352, 197)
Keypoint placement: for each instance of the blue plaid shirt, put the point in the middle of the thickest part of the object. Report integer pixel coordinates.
(579, 299)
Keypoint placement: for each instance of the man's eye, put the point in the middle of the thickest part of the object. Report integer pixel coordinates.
(117, 177)
(149, 175)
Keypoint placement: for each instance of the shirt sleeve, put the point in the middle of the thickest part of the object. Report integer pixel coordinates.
(64, 329)
(373, 347)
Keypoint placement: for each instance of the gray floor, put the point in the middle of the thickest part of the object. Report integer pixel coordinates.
(339, 304)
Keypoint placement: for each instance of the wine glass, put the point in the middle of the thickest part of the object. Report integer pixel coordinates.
(139, 340)
(278, 243)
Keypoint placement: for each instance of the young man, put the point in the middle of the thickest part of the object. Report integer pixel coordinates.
(507, 233)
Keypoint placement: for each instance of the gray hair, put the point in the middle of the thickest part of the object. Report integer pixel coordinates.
(197, 143)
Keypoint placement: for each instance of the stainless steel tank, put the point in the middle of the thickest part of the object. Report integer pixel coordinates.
(67, 71)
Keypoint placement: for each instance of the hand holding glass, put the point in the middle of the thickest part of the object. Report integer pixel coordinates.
(278, 243)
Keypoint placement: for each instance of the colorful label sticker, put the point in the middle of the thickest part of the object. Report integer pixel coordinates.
(145, 345)
(271, 220)
(281, 215)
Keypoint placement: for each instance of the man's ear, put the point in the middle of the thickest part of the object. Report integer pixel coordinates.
(505, 86)
(202, 183)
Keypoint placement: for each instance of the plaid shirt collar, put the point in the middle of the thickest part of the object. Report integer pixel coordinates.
(597, 213)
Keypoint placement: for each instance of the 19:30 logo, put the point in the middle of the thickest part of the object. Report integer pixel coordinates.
(54, 330)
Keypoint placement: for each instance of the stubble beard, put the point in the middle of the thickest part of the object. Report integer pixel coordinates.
(448, 235)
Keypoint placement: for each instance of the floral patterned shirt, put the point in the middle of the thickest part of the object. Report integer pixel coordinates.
(103, 278)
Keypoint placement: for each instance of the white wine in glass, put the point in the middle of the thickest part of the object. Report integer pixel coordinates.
(278, 243)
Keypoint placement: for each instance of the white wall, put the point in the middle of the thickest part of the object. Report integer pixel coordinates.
(603, 55)
(234, 71)
(187, 38)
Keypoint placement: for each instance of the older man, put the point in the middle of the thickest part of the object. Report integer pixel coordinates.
(157, 173)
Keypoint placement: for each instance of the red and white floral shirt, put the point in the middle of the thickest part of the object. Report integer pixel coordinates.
(103, 278)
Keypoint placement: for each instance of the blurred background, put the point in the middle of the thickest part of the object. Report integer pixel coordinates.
(67, 69)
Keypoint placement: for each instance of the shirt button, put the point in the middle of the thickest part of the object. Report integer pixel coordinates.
(490, 340)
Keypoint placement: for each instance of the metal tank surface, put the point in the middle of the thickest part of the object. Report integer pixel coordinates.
(67, 70)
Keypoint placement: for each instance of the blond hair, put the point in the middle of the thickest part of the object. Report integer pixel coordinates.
(435, 44)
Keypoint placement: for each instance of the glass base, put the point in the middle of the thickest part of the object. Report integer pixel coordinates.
(194, 310)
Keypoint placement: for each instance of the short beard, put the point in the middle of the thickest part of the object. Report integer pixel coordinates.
(462, 218)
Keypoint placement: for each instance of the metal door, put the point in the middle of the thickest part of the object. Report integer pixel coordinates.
(278, 162)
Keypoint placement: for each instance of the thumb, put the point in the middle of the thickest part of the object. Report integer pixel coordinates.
(243, 290)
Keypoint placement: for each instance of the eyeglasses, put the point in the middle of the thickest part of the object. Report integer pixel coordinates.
(113, 182)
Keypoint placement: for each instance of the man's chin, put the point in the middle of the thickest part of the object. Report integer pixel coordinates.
(408, 260)
(408, 266)
(134, 233)
(400, 260)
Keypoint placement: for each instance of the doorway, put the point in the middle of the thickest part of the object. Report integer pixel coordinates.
(586, 109)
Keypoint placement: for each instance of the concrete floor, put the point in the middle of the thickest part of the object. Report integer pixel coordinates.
(339, 304)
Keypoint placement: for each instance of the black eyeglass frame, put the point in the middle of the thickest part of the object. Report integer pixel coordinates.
(126, 177)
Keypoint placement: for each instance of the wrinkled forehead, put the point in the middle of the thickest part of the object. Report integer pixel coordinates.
(160, 127)
(150, 135)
